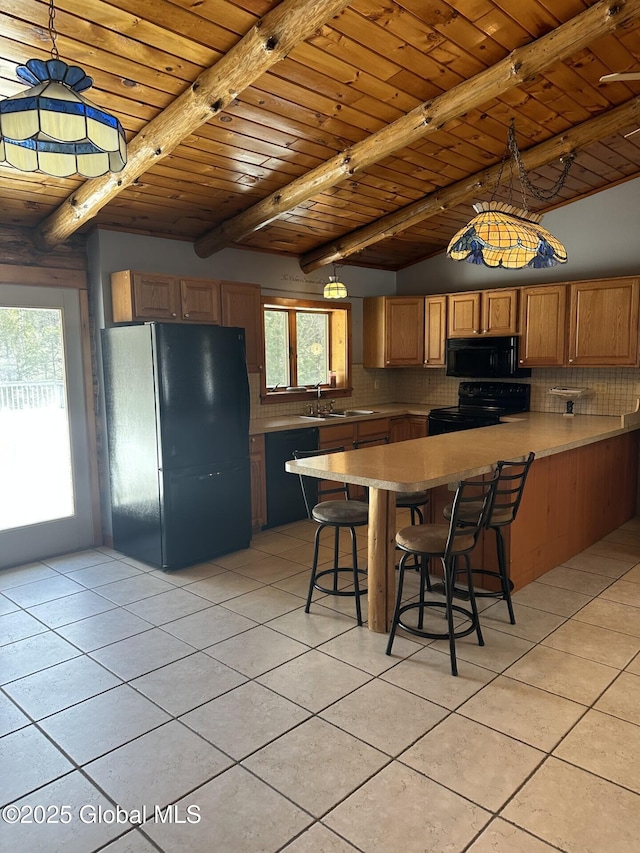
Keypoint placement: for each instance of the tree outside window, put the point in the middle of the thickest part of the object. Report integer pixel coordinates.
(307, 343)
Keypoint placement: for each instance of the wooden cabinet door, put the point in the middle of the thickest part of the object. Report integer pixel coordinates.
(399, 429)
(417, 426)
(543, 326)
(404, 333)
(155, 297)
(463, 313)
(200, 300)
(435, 330)
(241, 306)
(258, 481)
(603, 328)
(499, 312)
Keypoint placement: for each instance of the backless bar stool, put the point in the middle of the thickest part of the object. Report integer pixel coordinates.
(448, 542)
(511, 479)
(338, 514)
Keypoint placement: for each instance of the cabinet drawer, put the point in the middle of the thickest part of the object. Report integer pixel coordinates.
(340, 435)
(370, 429)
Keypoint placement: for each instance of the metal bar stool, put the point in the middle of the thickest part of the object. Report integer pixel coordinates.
(413, 501)
(448, 542)
(337, 514)
(511, 479)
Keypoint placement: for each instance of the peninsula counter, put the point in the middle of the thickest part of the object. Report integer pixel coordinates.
(582, 486)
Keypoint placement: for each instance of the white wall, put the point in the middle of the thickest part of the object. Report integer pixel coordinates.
(600, 234)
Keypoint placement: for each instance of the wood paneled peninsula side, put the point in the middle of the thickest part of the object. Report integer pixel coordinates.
(582, 486)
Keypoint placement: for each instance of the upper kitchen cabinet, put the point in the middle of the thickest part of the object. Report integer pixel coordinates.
(241, 307)
(435, 329)
(149, 296)
(603, 323)
(393, 331)
(543, 314)
(487, 312)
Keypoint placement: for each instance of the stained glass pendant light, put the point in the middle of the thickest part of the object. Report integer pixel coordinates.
(52, 128)
(502, 235)
(334, 288)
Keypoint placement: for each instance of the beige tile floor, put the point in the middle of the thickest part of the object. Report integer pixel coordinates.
(204, 711)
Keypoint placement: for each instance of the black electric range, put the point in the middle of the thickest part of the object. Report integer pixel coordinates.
(480, 404)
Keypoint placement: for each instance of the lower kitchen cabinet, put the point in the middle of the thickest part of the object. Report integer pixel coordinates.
(258, 481)
(374, 431)
(407, 427)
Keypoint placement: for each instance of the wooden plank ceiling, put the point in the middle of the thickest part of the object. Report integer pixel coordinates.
(368, 66)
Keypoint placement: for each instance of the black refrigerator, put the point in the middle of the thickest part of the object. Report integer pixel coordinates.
(177, 407)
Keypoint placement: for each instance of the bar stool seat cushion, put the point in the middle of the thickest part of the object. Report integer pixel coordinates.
(341, 512)
(430, 539)
(412, 497)
(499, 515)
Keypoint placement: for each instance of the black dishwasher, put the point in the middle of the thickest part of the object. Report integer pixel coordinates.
(284, 494)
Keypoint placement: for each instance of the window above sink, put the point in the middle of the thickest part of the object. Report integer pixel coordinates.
(307, 345)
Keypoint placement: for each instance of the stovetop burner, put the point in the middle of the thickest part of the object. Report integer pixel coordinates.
(492, 398)
(480, 404)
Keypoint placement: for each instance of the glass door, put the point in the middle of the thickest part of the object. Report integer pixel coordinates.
(45, 487)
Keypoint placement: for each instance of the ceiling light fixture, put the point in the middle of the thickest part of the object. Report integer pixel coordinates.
(334, 288)
(502, 235)
(52, 128)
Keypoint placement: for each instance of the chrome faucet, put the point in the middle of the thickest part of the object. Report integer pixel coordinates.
(315, 407)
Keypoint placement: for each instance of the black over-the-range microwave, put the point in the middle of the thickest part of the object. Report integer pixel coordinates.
(484, 358)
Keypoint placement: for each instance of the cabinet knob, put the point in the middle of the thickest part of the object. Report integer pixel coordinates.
(570, 360)
(521, 361)
(186, 316)
(174, 314)
(476, 332)
(484, 331)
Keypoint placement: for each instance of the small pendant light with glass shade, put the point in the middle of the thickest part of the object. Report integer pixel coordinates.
(502, 235)
(52, 128)
(334, 288)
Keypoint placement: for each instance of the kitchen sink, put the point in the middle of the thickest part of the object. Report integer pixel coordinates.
(338, 413)
(350, 413)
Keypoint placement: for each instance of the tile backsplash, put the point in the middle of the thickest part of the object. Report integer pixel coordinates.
(614, 391)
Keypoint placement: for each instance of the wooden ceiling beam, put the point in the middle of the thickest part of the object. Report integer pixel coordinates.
(266, 43)
(523, 63)
(559, 146)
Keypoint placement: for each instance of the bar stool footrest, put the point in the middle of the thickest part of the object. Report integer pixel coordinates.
(495, 593)
(340, 569)
(432, 635)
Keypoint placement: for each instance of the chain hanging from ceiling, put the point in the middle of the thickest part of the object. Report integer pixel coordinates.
(503, 235)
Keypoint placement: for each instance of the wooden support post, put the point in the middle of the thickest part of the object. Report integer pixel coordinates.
(381, 559)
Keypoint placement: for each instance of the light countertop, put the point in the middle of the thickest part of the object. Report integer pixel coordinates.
(379, 410)
(424, 463)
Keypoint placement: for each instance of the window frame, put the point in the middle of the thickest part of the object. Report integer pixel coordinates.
(339, 346)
